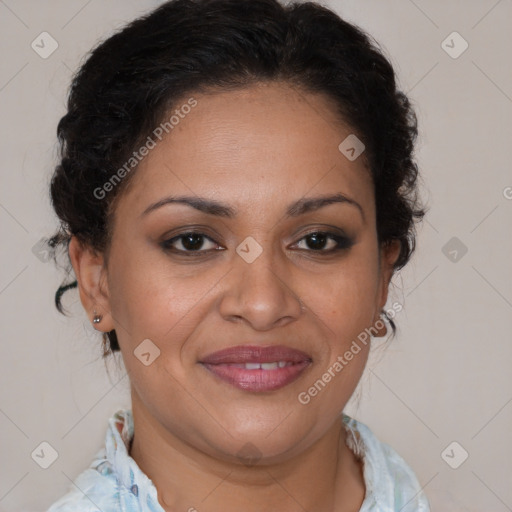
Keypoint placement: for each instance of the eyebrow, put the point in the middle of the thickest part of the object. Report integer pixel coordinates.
(212, 207)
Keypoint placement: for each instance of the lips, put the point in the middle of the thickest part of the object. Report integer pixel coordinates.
(256, 354)
(257, 368)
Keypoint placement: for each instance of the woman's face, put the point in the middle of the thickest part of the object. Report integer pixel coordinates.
(251, 275)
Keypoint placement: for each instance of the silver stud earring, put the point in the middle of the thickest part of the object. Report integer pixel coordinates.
(97, 318)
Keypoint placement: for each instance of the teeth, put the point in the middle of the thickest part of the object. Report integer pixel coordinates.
(266, 366)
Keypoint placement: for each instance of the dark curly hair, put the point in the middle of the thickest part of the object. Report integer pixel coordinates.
(130, 82)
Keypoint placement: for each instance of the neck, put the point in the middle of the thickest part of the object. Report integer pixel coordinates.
(325, 477)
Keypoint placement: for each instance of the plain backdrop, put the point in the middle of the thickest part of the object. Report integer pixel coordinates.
(439, 392)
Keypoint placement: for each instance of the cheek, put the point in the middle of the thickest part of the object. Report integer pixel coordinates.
(345, 300)
(151, 298)
(345, 308)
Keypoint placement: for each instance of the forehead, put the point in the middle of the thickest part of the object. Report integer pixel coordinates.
(262, 145)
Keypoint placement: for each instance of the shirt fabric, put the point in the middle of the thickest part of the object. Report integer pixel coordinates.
(114, 482)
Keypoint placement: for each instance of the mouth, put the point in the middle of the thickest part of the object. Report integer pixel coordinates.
(257, 368)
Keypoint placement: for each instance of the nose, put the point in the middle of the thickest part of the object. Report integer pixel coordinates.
(260, 293)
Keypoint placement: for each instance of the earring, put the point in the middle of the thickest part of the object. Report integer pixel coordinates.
(97, 318)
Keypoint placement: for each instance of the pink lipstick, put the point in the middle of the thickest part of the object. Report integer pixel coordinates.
(257, 368)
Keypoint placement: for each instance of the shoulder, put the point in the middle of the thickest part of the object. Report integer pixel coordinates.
(95, 489)
(113, 481)
(391, 484)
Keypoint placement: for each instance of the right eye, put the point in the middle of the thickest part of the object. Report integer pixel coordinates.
(188, 243)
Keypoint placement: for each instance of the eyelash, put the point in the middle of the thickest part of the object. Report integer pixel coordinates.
(342, 243)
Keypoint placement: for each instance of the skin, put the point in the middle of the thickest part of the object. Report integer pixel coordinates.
(257, 150)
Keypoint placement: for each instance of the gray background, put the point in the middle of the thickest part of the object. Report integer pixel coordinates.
(445, 378)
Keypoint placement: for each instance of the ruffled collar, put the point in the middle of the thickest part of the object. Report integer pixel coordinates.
(118, 461)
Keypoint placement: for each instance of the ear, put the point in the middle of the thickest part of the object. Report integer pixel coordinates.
(388, 255)
(91, 276)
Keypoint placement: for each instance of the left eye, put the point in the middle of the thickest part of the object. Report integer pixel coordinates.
(318, 239)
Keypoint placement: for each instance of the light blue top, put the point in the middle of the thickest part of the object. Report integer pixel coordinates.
(114, 482)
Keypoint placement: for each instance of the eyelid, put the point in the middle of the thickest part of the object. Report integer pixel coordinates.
(326, 229)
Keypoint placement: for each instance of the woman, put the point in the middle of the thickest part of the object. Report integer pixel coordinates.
(236, 189)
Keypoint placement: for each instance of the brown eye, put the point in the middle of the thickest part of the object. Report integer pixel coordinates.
(323, 241)
(189, 242)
